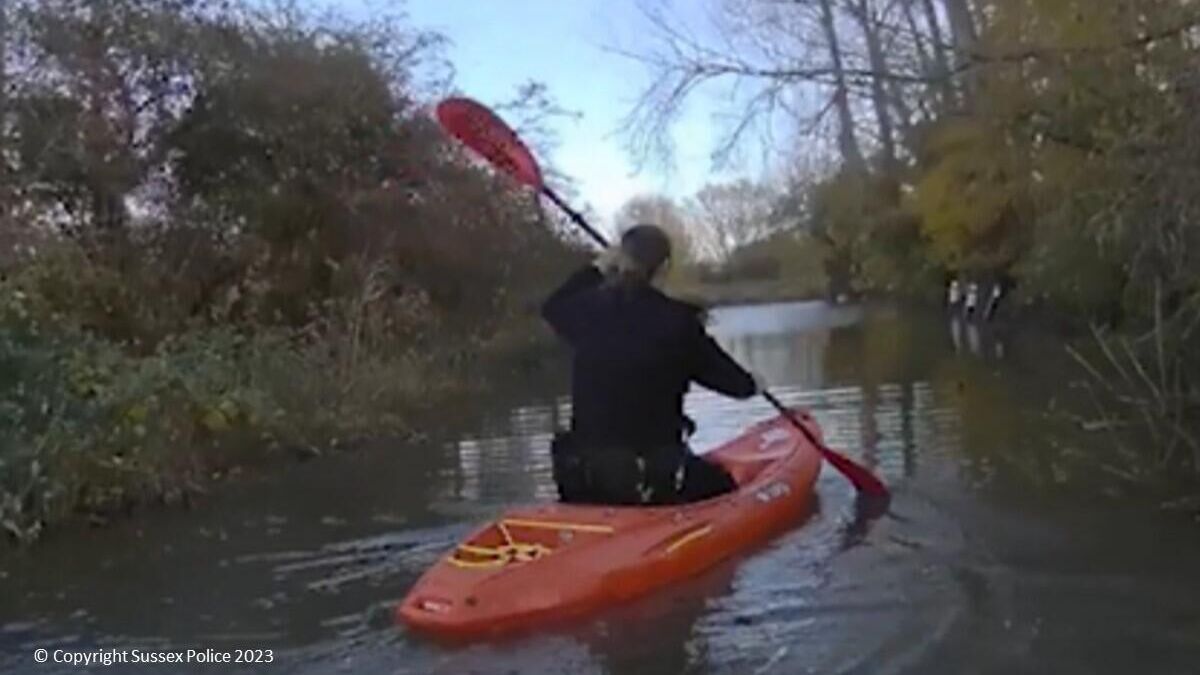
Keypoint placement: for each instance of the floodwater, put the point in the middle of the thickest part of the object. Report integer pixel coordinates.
(1013, 544)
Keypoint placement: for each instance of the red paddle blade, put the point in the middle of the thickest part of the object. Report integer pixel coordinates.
(483, 131)
(863, 480)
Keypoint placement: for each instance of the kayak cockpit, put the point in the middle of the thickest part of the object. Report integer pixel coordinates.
(520, 540)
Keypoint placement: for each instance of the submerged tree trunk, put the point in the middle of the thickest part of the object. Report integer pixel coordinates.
(847, 141)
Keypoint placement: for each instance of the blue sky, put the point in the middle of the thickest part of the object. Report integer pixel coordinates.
(497, 45)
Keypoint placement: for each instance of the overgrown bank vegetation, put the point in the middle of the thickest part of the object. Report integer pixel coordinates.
(1049, 145)
(226, 231)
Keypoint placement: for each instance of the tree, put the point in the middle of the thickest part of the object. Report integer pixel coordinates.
(971, 198)
(847, 141)
(1048, 142)
(940, 70)
(255, 166)
(7, 206)
(871, 25)
(96, 89)
(729, 216)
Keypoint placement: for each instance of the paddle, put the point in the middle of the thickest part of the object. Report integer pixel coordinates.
(483, 131)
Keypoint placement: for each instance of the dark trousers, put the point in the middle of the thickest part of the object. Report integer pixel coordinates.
(660, 472)
(614, 476)
(587, 474)
(593, 474)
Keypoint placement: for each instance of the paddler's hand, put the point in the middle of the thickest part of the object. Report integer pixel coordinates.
(760, 384)
(613, 261)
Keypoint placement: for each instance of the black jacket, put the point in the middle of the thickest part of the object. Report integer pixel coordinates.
(635, 353)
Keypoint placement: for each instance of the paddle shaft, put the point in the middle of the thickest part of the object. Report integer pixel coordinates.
(791, 417)
(575, 217)
(863, 479)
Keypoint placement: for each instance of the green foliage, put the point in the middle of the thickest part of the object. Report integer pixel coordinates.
(89, 426)
(1051, 145)
(1080, 143)
(968, 198)
(1066, 162)
(871, 240)
(1070, 167)
(246, 236)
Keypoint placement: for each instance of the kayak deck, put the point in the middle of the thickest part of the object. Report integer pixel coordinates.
(551, 561)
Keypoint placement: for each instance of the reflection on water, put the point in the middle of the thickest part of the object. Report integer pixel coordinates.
(975, 338)
(998, 555)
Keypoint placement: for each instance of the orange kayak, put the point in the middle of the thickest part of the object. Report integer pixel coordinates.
(543, 563)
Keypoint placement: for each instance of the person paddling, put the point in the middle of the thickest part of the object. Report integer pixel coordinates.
(635, 353)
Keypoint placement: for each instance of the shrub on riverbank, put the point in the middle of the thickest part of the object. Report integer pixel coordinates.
(230, 229)
(93, 426)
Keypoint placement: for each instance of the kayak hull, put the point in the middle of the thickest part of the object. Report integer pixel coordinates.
(544, 563)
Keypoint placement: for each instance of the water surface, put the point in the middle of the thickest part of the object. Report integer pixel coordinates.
(1010, 547)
